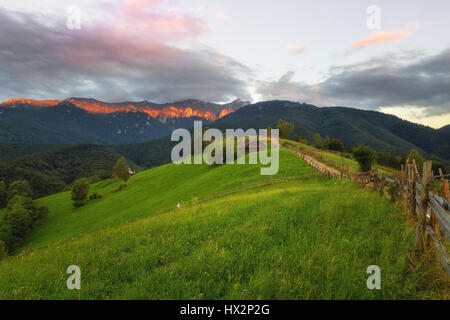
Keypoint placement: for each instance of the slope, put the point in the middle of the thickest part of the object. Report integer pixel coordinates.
(148, 193)
(304, 239)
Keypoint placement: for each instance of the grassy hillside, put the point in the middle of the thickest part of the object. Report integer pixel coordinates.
(311, 238)
(148, 193)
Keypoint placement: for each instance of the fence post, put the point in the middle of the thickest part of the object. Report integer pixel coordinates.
(446, 189)
(421, 224)
(412, 191)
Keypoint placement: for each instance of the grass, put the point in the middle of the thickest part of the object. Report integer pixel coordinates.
(147, 194)
(310, 239)
(304, 239)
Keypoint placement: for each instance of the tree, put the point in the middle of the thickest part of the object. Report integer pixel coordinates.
(14, 225)
(326, 142)
(414, 154)
(365, 157)
(80, 191)
(285, 128)
(336, 145)
(121, 169)
(20, 187)
(3, 195)
(318, 143)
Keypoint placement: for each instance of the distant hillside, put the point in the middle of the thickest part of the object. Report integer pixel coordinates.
(16, 150)
(49, 171)
(445, 130)
(352, 126)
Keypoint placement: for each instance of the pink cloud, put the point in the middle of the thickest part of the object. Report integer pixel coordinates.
(296, 49)
(380, 37)
(149, 18)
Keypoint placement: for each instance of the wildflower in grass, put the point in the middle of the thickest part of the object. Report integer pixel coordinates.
(244, 291)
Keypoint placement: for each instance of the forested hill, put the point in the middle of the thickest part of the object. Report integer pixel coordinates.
(50, 171)
(352, 126)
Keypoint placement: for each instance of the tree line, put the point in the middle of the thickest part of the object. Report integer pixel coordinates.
(20, 217)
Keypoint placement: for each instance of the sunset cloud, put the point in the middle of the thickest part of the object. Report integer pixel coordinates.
(296, 49)
(132, 55)
(381, 37)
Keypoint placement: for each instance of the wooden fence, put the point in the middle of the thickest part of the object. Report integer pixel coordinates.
(413, 191)
(430, 211)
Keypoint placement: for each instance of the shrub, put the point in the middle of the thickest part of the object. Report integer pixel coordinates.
(336, 145)
(95, 195)
(122, 186)
(285, 128)
(14, 225)
(318, 143)
(365, 157)
(121, 169)
(414, 154)
(80, 191)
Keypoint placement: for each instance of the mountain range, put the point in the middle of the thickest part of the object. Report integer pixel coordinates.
(81, 120)
(51, 143)
(77, 120)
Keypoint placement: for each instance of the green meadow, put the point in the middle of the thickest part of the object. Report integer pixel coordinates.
(311, 238)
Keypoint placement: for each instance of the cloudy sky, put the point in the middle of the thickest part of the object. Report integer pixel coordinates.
(385, 55)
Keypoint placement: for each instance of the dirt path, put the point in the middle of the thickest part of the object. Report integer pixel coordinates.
(319, 166)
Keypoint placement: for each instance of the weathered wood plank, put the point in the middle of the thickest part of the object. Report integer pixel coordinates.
(442, 216)
(440, 249)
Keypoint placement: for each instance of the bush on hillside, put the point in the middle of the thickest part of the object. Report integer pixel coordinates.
(80, 191)
(365, 157)
(121, 169)
(318, 142)
(95, 195)
(285, 128)
(336, 145)
(414, 154)
(122, 186)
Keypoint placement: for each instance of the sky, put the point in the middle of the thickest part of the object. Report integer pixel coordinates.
(383, 55)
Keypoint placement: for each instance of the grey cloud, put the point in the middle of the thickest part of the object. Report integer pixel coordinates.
(46, 60)
(388, 81)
